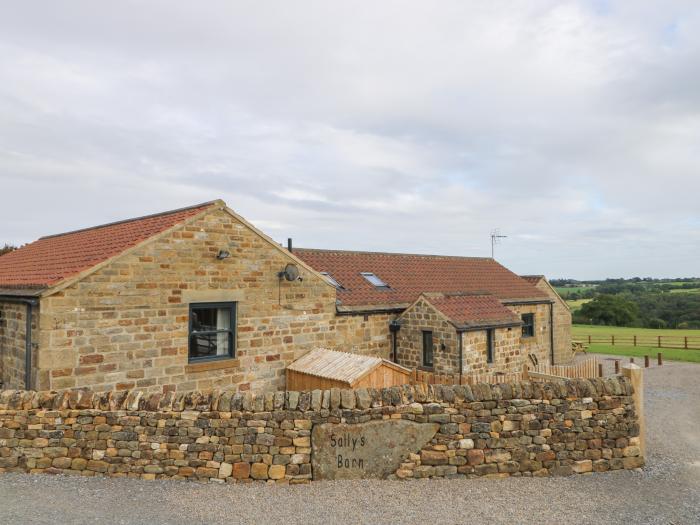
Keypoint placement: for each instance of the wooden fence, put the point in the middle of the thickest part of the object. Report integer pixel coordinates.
(588, 368)
(652, 341)
(421, 376)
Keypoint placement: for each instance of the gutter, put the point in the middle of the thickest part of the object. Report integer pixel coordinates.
(528, 301)
(478, 328)
(369, 311)
(30, 302)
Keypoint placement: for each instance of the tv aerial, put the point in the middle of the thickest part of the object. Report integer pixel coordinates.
(496, 239)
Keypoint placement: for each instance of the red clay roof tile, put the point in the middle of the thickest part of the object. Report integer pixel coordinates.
(52, 259)
(474, 310)
(410, 275)
(532, 279)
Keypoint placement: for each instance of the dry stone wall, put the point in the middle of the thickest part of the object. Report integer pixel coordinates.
(519, 429)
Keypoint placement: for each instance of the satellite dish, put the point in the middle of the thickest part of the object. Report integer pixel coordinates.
(291, 272)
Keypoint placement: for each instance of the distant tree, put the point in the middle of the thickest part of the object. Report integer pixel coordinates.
(657, 323)
(609, 310)
(7, 249)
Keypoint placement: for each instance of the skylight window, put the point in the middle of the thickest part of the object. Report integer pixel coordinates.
(330, 279)
(374, 280)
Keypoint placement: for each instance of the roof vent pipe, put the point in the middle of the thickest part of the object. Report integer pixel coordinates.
(289, 244)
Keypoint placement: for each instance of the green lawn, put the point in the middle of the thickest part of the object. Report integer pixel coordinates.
(579, 330)
(670, 354)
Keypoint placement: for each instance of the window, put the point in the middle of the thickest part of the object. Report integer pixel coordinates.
(528, 325)
(427, 348)
(489, 345)
(330, 279)
(374, 280)
(212, 331)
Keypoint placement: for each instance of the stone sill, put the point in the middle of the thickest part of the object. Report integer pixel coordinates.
(211, 365)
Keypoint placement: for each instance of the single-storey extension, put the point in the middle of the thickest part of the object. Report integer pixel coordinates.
(198, 298)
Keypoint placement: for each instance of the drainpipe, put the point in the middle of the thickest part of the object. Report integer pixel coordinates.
(461, 367)
(394, 327)
(27, 337)
(28, 350)
(551, 332)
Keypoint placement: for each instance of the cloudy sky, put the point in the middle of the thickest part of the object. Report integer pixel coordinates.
(574, 127)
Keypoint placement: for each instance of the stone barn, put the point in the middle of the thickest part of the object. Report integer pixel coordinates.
(198, 299)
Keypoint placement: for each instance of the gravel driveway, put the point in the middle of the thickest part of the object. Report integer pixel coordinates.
(666, 491)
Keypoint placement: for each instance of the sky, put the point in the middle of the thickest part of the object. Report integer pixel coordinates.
(572, 127)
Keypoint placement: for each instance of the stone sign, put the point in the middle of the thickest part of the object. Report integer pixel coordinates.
(366, 450)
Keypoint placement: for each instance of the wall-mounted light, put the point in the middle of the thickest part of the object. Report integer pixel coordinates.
(223, 254)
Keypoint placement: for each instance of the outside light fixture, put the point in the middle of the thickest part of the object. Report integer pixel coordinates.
(223, 254)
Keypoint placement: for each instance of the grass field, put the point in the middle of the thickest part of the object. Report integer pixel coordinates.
(670, 354)
(685, 290)
(579, 330)
(674, 354)
(576, 305)
(564, 291)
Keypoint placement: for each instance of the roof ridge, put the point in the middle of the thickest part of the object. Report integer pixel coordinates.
(423, 255)
(133, 219)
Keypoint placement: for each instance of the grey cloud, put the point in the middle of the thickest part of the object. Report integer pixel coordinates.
(416, 126)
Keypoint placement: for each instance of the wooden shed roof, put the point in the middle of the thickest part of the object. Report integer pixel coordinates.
(340, 366)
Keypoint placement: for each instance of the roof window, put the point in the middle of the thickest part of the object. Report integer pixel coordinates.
(374, 280)
(330, 279)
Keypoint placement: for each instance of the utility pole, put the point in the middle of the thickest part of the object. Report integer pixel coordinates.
(496, 239)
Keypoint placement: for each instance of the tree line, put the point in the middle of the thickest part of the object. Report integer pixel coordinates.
(638, 302)
(7, 248)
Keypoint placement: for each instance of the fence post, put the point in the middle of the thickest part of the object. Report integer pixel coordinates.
(600, 369)
(635, 340)
(659, 360)
(686, 342)
(617, 366)
(659, 341)
(636, 377)
(646, 361)
(612, 338)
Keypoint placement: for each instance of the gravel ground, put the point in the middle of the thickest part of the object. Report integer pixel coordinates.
(666, 491)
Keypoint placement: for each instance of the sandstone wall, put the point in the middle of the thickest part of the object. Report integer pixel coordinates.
(540, 344)
(13, 328)
(363, 334)
(423, 316)
(510, 348)
(126, 325)
(519, 429)
(507, 358)
(562, 325)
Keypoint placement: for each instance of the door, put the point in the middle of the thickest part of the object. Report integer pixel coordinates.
(427, 348)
